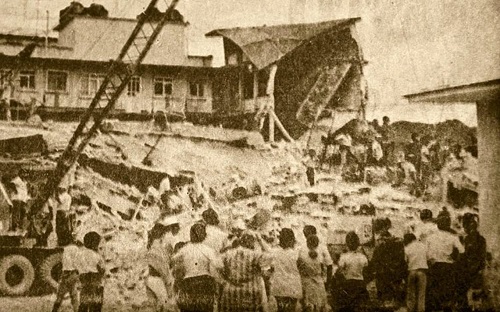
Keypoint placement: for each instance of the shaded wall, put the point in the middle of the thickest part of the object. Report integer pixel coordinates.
(488, 111)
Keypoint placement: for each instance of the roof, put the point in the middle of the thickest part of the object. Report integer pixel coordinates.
(265, 45)
(106, 41)
(470, 93)
(10, 49)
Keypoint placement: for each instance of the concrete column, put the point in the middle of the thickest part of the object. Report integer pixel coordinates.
(488, 114)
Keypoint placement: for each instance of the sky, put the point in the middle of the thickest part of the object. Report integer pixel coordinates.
(410, 45)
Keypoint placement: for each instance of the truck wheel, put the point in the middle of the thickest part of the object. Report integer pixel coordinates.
(16, 275)
(50, 270)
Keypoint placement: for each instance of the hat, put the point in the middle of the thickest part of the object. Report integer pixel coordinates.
(169, 220)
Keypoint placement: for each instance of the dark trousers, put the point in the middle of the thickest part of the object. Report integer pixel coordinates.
(18, 217)
(310, 173)
(63, 228)
(352, 296)
(92, 293)
(441, 287)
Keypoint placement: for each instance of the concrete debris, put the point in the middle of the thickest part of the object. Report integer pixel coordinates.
(266, 187)
(24, 145)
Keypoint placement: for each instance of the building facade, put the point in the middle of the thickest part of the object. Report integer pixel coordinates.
(64, 75)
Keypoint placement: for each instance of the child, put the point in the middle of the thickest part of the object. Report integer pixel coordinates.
(416, 258)
(352, 265)
(91, 274)
(69, 278)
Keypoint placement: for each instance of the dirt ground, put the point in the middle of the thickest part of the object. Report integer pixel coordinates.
(44, 304)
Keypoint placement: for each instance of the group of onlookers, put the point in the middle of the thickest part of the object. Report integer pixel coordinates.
(431, 269)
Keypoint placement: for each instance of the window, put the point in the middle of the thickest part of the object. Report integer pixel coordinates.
(134, 86)
(27, 79)
(196, 89)
(162, 87)
(90, 84)
(57, 81)
(4, 76)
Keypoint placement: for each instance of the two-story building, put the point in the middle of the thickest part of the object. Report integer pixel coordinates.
(64, 74)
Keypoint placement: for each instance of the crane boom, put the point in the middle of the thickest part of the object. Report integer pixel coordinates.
(116, 80)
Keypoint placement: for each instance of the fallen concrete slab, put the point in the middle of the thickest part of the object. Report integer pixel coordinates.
(33, 144)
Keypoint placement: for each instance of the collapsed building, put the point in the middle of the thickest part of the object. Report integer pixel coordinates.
(290, 73)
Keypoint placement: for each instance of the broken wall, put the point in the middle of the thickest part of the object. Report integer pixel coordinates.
(298, 71)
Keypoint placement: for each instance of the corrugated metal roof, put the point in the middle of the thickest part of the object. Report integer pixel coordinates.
(265, 45)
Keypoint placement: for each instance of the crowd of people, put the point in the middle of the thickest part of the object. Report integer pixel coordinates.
(412, 165)
(431, 269)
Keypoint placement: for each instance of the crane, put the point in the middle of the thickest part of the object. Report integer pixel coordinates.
(116, 80)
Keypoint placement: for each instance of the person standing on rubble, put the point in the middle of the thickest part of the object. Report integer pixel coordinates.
(215, 236)
(443, 248)
(61, 204)
(285, 284)
(414, 152)
(19, 200)
(386, 136)
(198, 267)
(311, 163)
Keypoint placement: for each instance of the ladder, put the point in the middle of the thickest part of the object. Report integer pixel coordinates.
(116, 80)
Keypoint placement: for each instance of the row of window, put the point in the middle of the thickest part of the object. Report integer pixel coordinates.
(89, 84)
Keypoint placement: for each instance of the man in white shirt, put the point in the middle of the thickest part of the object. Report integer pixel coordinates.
(19, 201)
(427, 227)
(443, 249)
(62, 206)
(69, 282)
(416, 258)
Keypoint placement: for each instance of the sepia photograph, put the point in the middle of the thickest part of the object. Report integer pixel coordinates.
(249, 155)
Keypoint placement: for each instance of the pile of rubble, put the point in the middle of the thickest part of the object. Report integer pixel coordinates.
(116, 194)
